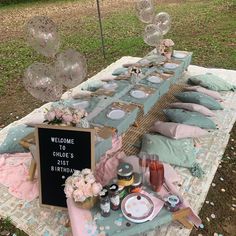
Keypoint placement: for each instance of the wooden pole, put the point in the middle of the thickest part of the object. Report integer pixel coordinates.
(101, 29)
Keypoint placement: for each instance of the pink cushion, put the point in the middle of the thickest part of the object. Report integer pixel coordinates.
(208, 92)
(177, 131)
(193, 107)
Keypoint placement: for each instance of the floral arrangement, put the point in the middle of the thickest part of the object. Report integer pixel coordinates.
(82, 186)
(64, 116)
(166, 48)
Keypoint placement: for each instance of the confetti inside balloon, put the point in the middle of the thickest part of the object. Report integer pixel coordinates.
(40, 82)
(163, 21)
(71, 68)
(141, 5)
(146, 15)
(152, 35)
(42, 35)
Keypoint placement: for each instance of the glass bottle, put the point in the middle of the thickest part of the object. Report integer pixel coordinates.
(105, 204)
(114, 197)
(143, 163)
(125, 174)
(156, 169)
(136, 187)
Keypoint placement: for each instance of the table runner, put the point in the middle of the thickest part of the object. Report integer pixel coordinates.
(41, 221)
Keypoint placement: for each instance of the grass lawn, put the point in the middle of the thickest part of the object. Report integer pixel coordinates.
(207, 28)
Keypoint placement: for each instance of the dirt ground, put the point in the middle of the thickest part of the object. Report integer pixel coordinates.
(219, 210)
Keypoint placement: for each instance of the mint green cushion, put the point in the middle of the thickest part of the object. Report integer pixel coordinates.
(120, 71)
(199, 98)
(11, 142)
(177, 152)
(189, 118)
(212, 82)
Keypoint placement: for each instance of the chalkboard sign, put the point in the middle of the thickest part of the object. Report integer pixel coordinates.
(61, 150)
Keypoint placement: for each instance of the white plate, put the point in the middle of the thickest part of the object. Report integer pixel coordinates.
(137, 207)
(154, 79)
(170, 65)
(116, 114)
(138, 94)
(81, 105)
(179, 55)
(110, 86)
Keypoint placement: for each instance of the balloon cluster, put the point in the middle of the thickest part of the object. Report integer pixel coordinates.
(45, 82)
(158, 25)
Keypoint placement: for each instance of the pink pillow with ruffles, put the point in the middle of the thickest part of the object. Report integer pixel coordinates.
(177, 131)
(208, 92)
(193, 107)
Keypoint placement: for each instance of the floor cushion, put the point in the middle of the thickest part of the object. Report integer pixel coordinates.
(176, 130)
(189, 118)
(212, 82)
(199, 98)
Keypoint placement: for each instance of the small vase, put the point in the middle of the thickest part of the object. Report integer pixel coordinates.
(88, 204)
(168, 55)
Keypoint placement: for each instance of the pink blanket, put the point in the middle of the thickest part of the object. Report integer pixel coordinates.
(106, 168)
(14, 174)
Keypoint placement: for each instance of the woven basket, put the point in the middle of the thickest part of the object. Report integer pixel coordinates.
(89, 203)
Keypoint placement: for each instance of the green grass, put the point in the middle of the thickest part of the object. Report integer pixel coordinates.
(204, 27)
(7, 226)
(7, 4)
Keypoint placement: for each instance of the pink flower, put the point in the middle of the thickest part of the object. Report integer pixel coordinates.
(87, 190)
(75, 181)
(80, 184)
(90, 179)
(96, 188)
(76, 118)
(168, 42)
(68, 191)
(77, 173)
(67, 118)
(78, 196)
(59, 113)
(50, 115)
(86, 171)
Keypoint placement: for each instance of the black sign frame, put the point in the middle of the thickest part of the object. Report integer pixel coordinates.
(61, 144)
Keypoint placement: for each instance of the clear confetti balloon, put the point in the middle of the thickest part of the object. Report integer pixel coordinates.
(141, 5)
(40, 82)
(42, 35)
(71, 68)
(163, 21)
(146, 15)
(152, 35)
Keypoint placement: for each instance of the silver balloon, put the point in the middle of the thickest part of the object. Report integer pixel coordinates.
(152, 35)
(40, 82)
(146, 15)
(42, 35)
(163, 21)
(71, 68)
(141, 5)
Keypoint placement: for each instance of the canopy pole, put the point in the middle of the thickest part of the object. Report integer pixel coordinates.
(101, 30)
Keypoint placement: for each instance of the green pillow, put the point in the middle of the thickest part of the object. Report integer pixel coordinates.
(199, 98)
(177, 152)
(212, 82)
(120, 71)
(189, 118)
(11, 142)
